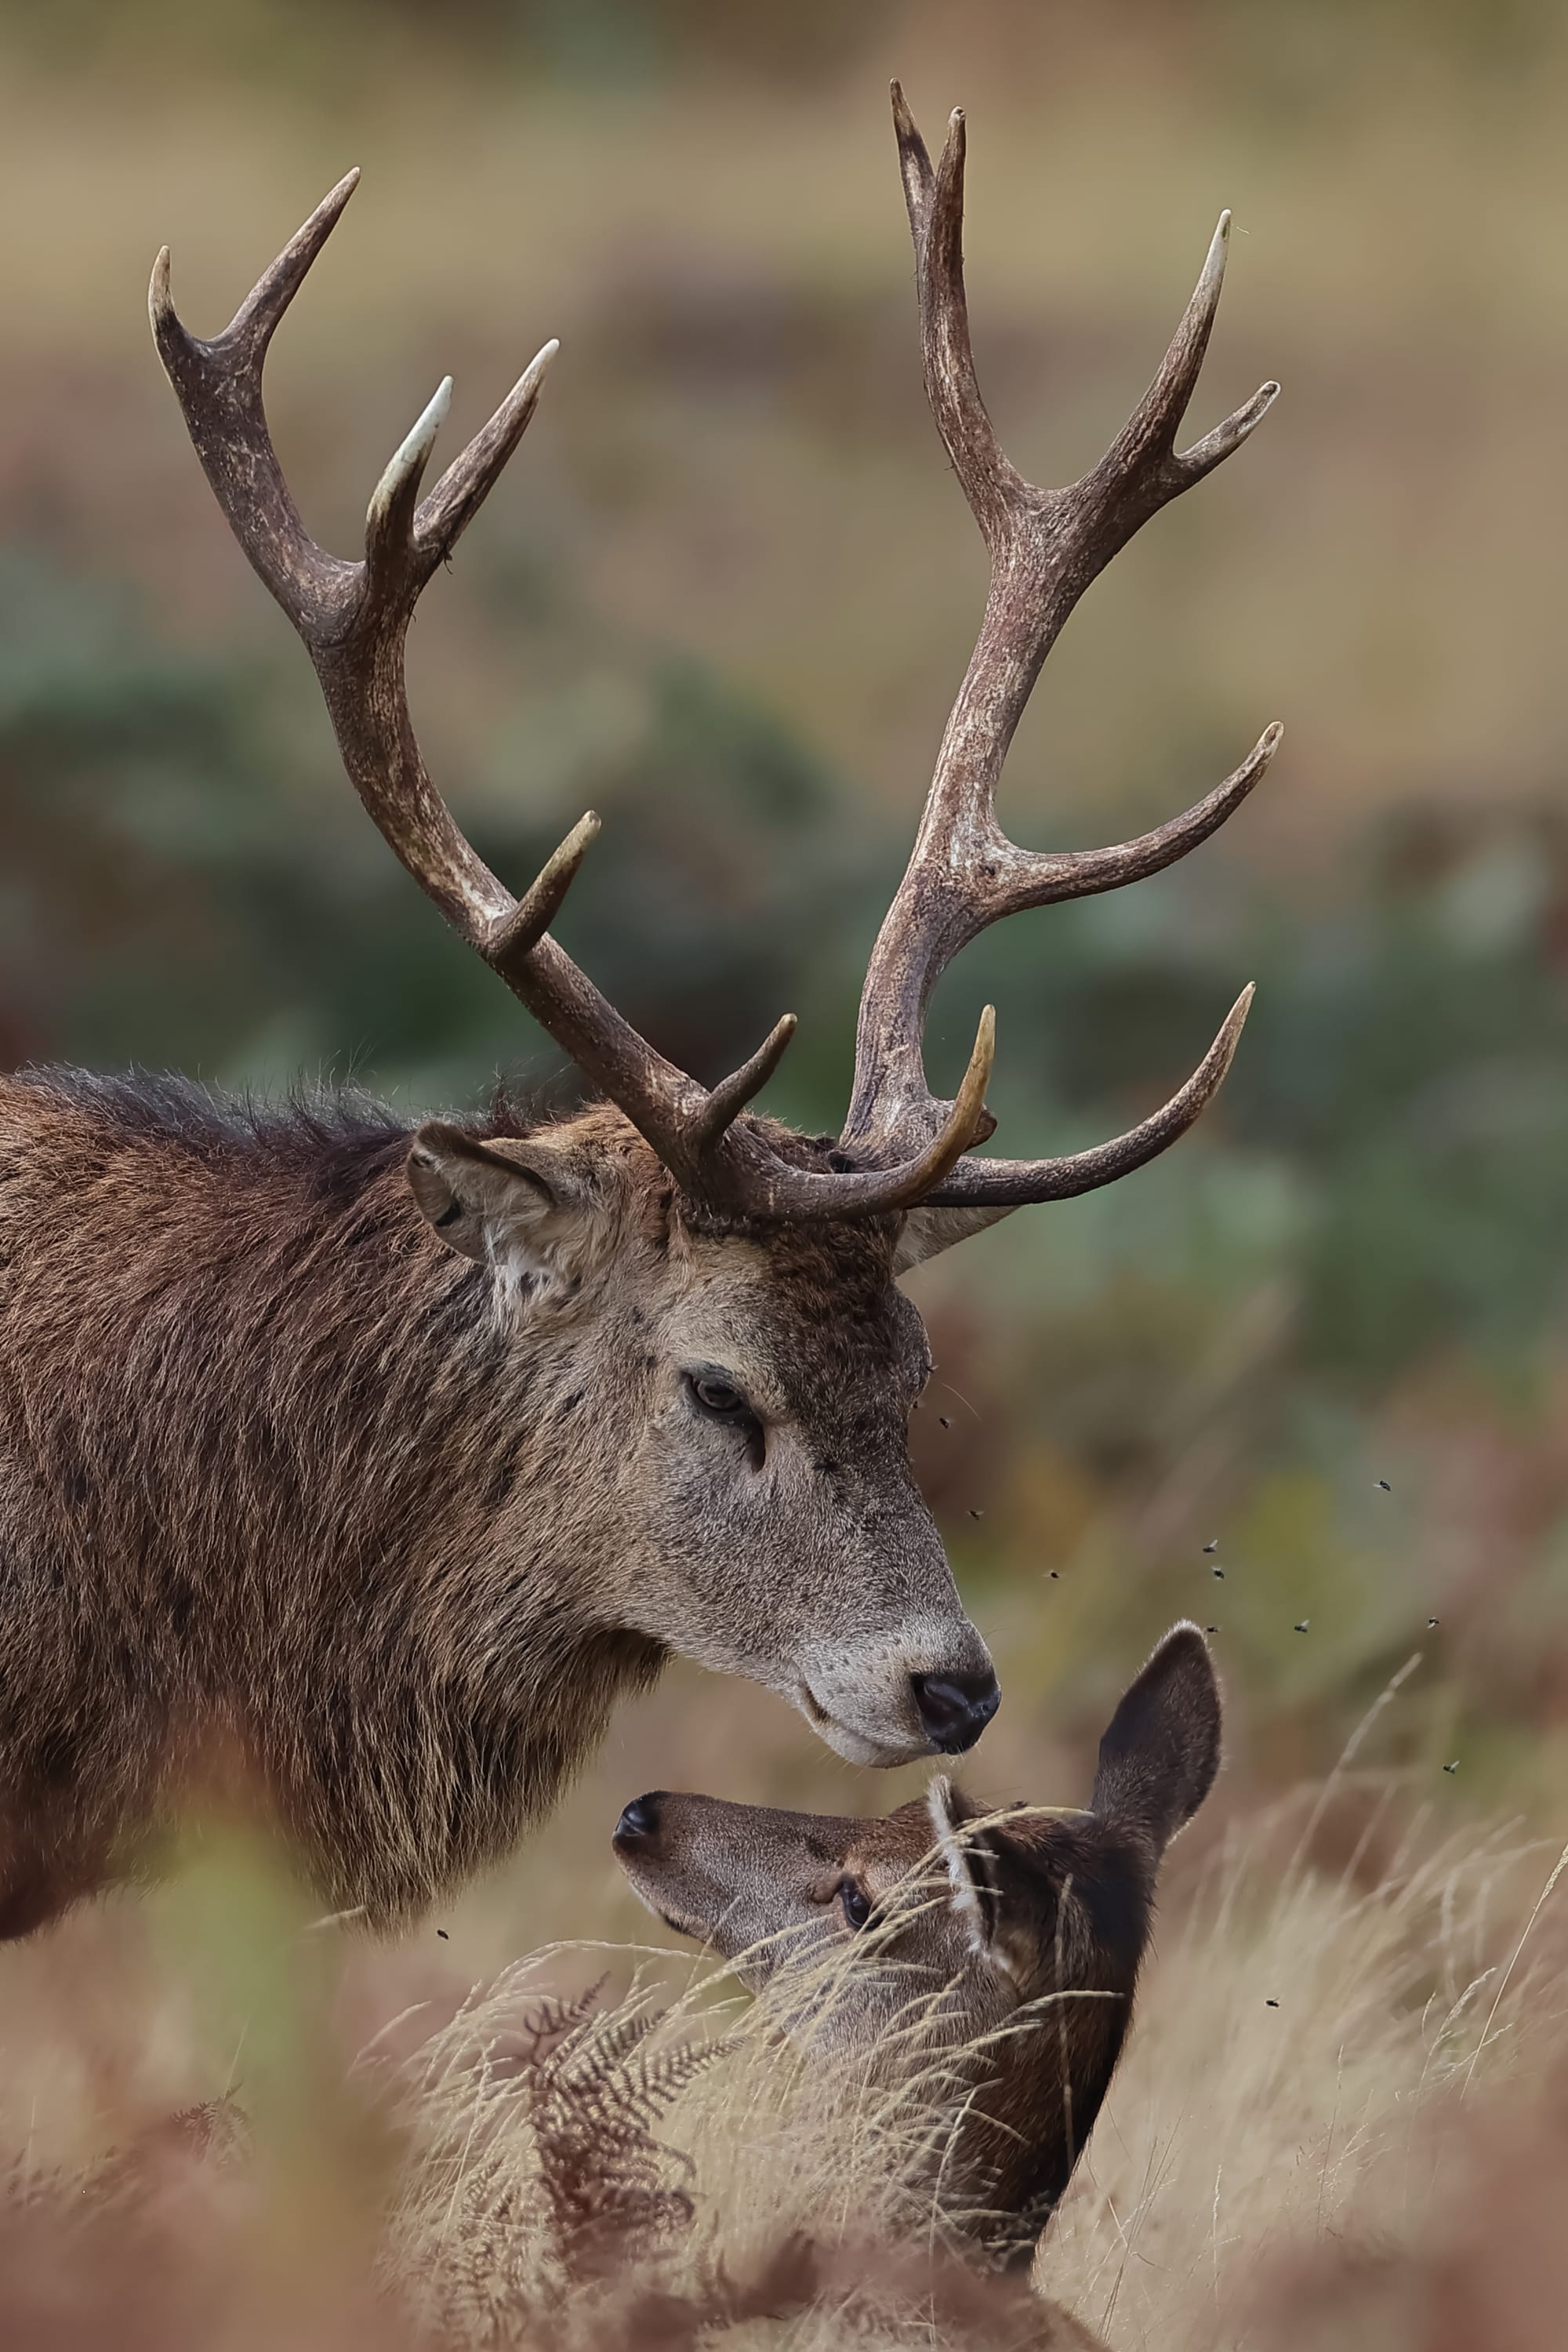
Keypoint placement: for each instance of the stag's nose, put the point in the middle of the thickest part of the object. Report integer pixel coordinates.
(956, 1708)
(638, 1823)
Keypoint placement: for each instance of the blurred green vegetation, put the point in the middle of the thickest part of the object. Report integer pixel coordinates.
(624, 43)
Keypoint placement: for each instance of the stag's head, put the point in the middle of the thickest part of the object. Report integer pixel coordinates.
(753, 1506)
(770, 1526)
(1015, 1936)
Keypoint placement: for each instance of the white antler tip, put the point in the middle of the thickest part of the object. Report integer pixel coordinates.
(525, 391)
(408, 461)
(580, 838)
(429, 423)
(332, 203)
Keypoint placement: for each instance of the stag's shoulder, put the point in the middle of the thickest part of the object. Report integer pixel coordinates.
(62, 1128)
(59, 1124)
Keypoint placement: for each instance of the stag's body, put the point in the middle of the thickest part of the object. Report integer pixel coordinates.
(286, 1485)
(263, 1453)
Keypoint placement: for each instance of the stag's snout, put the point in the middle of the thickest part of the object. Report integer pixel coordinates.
(956, 1708)
(892, 1697)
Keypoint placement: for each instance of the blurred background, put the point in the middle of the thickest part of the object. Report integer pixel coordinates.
(724, 596)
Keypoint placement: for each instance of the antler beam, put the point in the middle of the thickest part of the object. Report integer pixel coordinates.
(1046, 546)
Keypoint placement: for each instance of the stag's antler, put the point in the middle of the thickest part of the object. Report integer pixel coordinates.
(1046, 546)
(901, 1146)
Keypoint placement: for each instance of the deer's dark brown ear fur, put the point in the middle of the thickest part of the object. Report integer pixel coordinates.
(1161, 1750)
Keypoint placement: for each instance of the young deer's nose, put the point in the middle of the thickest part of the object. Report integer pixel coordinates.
(956, 1708)
(638, 1823)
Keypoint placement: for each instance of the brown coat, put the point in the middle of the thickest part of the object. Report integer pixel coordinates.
(385, 1494)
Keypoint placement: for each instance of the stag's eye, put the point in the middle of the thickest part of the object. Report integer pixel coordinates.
(717, 1396)
(856, 1903)
(717, 1399)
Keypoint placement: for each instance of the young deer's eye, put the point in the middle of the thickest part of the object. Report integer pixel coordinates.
(856, 1903)
(717, 1396)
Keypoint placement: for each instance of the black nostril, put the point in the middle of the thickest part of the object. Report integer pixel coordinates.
(956, 1708)
(639, 1820)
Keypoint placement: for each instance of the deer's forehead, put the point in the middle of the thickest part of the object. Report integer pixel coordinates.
(795, 1300)
(890, 1849)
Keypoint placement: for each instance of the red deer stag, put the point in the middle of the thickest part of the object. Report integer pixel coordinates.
(982, 1962)
(385, 1461)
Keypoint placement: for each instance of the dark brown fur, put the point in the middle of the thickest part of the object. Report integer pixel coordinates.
(289, 1485)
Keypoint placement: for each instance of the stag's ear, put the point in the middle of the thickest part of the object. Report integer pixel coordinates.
(1161, 1751)
(527, 1206)
(926, 1233)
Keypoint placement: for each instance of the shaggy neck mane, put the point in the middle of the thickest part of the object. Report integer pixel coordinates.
(276, 1421)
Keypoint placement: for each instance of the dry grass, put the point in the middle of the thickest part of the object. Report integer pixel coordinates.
(1349, 2018)
(1301, 2075)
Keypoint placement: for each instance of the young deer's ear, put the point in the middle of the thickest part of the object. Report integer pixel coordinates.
(523, 1205)
(970, 1900)
(1161, 1751)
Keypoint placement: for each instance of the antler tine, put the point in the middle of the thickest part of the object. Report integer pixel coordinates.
(390, 553)
(1046, 546)
(1149, 433)
(1155, 422)
(1217, 445)
(1004, 1184)
(517, 934)
(469, 478)
(731, 1096)
(255, 320)
(914, 161)
(1044, 878)
(935, 201)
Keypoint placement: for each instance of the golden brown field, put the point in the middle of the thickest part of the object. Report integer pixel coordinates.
(726, 594)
